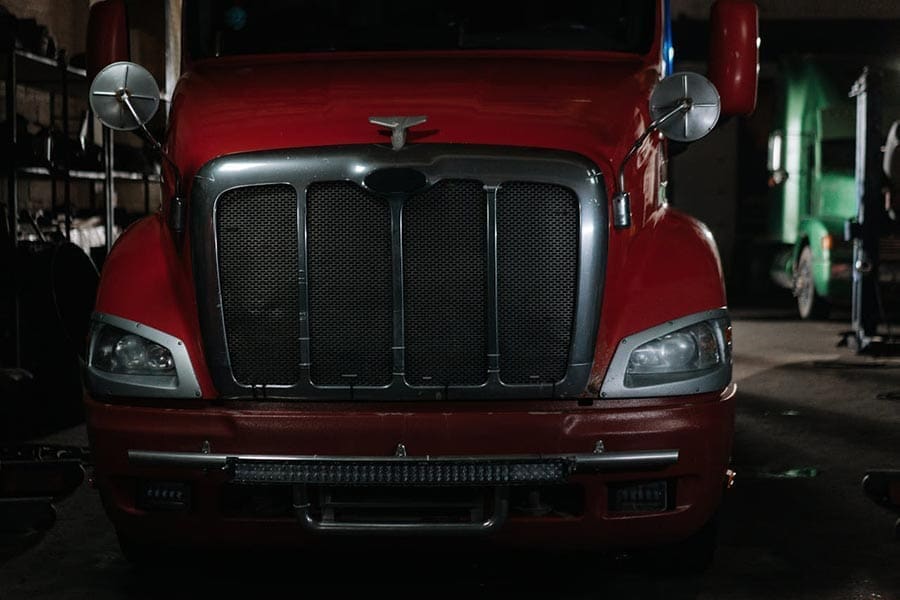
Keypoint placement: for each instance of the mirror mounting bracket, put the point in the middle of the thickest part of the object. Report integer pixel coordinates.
(177, 207)
(622, 199)
(685, 107)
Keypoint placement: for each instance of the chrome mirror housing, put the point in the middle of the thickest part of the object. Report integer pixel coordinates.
(699, 117)
(124, 96)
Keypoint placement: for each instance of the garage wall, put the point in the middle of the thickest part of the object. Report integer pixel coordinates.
(66, 19)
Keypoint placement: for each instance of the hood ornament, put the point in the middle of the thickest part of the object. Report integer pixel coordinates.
(398, 127)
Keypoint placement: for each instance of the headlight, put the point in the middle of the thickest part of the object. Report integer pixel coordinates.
(128, 359)
(117, 351)
(677, 356)
(686, 356)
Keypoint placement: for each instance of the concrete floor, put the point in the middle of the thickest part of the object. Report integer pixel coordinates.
(803, 404)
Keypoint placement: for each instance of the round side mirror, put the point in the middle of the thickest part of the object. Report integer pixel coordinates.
(124, 96)
(702, 114)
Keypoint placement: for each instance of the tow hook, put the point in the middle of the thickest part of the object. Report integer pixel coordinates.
(729, 478)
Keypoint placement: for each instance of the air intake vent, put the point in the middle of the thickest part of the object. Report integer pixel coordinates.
(537, 261)
(444, 278)
(350, 285)
(258, 267)
(441, 273)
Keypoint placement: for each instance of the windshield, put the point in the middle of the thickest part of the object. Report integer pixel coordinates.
(838, 156)
(235, 27)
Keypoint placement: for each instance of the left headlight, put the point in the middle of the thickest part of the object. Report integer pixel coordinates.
(690, 355)
(129, 359)
(117, 351)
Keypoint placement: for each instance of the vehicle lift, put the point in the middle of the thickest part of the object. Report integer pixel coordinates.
(866, 232)
(870, 327)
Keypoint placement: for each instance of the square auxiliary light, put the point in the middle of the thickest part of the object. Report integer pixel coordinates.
(642, 497)
(163, 495)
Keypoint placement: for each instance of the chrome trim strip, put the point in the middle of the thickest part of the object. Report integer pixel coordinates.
(303, 281)
(614, 383)
(643, 460)
(183, 385)
(493, 309)
(399, 336)
(493, 166)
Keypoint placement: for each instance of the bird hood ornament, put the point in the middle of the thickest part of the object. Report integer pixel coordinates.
(398, 127)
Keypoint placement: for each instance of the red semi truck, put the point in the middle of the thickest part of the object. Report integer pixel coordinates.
(415, 273)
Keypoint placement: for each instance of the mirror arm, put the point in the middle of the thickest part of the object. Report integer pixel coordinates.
(622, 199)
(682, 107)
(177, 209)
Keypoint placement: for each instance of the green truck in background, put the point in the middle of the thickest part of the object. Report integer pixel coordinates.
(812, 186)
(813, 190)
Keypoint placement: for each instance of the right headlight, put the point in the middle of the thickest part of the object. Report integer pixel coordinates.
(690, 355)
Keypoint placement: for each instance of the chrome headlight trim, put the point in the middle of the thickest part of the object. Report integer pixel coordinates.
(102, 383)
(614, 383)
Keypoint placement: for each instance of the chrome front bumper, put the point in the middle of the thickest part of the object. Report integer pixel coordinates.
(408, 470)
(311, 475)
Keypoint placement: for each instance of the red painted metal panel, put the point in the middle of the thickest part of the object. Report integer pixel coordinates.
(667, 269)
(144, 279)
(107, 35)
(734, 54)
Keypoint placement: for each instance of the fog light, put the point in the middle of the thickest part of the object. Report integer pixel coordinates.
(644, 497)
(163, 495)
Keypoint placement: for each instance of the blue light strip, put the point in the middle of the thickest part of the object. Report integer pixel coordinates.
(668, 46)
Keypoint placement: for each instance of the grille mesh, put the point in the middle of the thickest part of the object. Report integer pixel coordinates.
(258, 267)
(350, 285)
(537, 258)
(444, 278)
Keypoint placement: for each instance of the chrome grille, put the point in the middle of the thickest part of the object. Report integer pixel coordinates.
(484, 284)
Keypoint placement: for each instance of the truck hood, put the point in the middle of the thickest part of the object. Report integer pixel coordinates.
(587, 103)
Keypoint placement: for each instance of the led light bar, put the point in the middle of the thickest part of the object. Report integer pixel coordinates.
(407, 472)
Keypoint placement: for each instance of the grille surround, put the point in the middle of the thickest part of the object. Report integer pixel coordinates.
(493, 167)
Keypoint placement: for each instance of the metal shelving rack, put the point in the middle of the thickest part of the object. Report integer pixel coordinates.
(57, 78)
